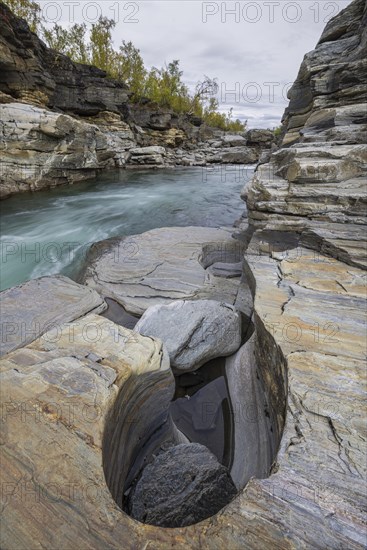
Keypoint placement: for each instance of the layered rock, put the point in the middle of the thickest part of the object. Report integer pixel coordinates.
(193, 332)
(256, 432)
(41, 148)
(163, 265)
(40, 305)
(33, 73)
(310, 350)
(59, 393)
(315, 184)
(305, 265)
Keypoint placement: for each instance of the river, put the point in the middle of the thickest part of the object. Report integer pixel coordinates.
(50, 231)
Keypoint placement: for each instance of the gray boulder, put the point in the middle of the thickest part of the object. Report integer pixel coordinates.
(240, 155)
(193, 331)
(233, 140)
(182, 486)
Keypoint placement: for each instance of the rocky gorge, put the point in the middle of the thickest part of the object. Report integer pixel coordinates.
(63, 122)
(91, 454)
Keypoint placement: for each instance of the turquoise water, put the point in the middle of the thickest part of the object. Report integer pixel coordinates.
(49, 232)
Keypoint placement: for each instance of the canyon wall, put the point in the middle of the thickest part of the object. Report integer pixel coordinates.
(305, 266)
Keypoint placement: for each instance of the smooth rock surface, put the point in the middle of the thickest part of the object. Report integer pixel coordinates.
(163, 265)
(193, 331)
(35, 307)
(182, 486)
(60, 396)
(255, 431)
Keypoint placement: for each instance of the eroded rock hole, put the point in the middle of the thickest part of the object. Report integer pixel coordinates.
(177, 449)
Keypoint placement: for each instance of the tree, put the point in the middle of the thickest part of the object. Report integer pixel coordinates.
(70, 42)
(129, 67)
(204, 91)
(164, 86)
(101, 46)
(28, 10)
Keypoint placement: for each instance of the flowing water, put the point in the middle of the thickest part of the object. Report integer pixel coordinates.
(49, 232)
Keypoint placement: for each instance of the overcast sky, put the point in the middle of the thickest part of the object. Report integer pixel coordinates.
(254, 52)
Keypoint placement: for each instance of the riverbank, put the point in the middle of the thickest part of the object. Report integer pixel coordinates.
(63, 122)
(87, 394)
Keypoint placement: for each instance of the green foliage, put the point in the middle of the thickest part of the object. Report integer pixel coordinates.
(277, 131)
(71, 42)
(95, 46)
(28, 10)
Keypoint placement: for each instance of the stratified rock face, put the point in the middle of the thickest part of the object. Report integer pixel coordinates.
(305, 264)
(182, 486)
(317, 186)
(33, 73)
(31, 309)
(40, 148)
(193, 332)
(163, 265)
(328, 99)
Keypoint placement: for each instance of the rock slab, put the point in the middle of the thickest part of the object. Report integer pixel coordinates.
(163, 265)
(33, 308)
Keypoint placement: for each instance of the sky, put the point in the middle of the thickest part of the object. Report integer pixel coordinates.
(253, 48)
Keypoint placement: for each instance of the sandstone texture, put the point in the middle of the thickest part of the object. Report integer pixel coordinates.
(163, 265)
(35, 307)
(182, 486)
(305, 268)
(193, 332)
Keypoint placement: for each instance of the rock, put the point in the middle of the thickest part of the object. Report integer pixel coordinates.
(147, 151)
(77, 410)
(233, 140)
(310, 307)
(227, 270)
(41, 305)
(163, 265)
(32, 73)
(256, 435)
(193, 331)
(309, 302)
(182, 486)
(240, 155)
(41, 149)
(260, 137)
(315, 184)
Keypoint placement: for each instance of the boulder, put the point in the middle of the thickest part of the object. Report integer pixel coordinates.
(182, 486)
(193, 331)
(240, 155)
(35, 307)
(233, 140)
(153, 150)
(257, 136)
